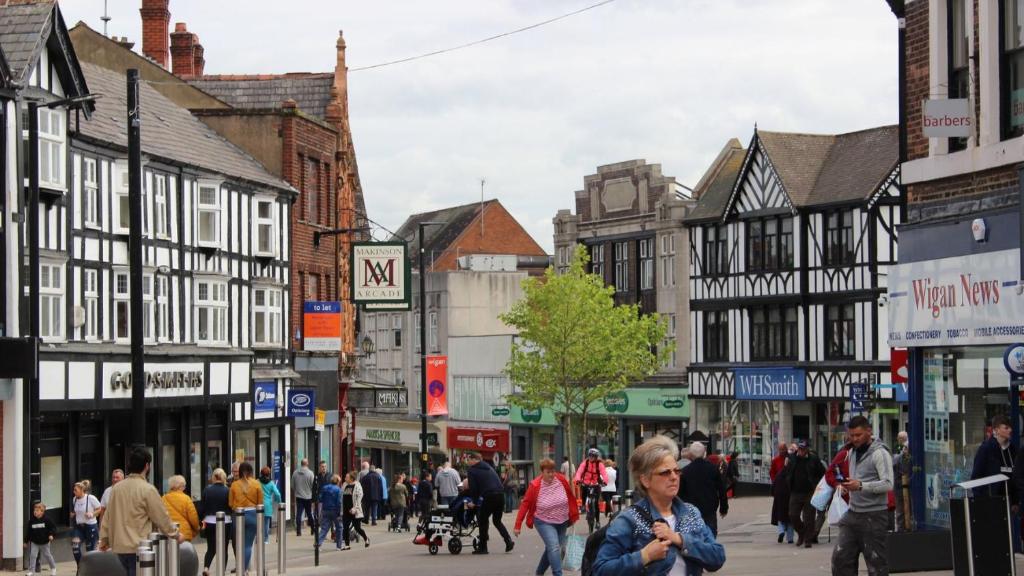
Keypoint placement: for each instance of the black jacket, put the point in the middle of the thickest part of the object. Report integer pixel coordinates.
(39, 530)
(215, 499)
(701, 485)
(373, 486)
(483, 480)
(990, 459)
(425, 492)
(804, 474)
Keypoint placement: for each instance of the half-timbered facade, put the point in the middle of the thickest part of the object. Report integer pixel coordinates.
(789, 246)
(629, 217)
(216, 244)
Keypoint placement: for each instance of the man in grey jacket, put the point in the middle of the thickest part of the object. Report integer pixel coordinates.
(864, 527)
(448, 482)
(302, 489)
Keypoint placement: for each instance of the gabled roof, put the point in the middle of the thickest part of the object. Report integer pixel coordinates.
(312, 91)
(824, 169)
(437, 239)
(169, 131)
(27, 27)
(715, 187)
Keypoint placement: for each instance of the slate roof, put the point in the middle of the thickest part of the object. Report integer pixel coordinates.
(5, 71)
(713, 195)
(312, 91)
(24, 28)
(438, 238)
(168, 131)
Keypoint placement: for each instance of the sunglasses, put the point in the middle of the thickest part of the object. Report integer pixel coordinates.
(668, 472)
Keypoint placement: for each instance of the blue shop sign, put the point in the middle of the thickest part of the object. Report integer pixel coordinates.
(265, 392)
(301, 403)
(769, 384)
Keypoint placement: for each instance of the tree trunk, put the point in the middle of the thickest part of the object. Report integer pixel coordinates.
(567, 431)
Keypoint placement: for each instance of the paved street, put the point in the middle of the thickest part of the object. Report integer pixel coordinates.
(749, 539)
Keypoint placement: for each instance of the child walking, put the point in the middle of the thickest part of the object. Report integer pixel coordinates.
(39, 533)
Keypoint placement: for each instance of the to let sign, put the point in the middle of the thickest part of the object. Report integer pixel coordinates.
(949, 118)
(322, 324)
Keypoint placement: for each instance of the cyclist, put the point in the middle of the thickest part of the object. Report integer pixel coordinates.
(592, 476)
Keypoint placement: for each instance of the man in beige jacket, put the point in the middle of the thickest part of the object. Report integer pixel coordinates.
(135, 508)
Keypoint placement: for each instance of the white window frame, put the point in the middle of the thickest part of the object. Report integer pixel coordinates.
(432, 339)
(53, 148)
(621, 250)
(90, 193)
(162, 308)
(416, 336)
(597, 262)
(148, 315)
(51, 301)
(266, 227)
(396, 331)
(668, 260)
(211, 208)
(270, 308)
(90, 303)
(647, 264)
(122, 293)
(213, 308)
(122, 211)
(161, 211)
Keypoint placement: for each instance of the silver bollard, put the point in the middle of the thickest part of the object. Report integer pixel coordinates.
(145, 562)
(282, 536)
(259, 551)
(239, 541)
(617, 503)
(220, 534)
(160, 548)
(172, 554)
(629, 497)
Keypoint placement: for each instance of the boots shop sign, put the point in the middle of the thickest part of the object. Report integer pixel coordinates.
(161, 380)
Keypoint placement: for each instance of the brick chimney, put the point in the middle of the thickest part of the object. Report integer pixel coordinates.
(155, 19)
(183, 44)
(198, 62)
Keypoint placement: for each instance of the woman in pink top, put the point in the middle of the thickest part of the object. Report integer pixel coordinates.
(550, 507)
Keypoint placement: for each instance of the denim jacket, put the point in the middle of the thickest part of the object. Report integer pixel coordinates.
(629, 533)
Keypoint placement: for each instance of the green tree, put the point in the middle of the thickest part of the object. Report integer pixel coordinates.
(576, 347)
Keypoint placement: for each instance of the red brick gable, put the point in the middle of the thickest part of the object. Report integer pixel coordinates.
(501, 234)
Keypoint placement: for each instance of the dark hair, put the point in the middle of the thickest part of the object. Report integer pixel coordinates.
(138, 459)
(245, 470)
(858, 422)
(1000, 420)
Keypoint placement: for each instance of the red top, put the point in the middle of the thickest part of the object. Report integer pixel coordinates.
(778, 463)
(529, 504)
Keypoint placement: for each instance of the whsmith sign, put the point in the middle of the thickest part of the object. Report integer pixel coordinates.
(964, 300)
(770, 384)
(380, 272)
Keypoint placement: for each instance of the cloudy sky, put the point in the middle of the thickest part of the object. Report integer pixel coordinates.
(669, 81)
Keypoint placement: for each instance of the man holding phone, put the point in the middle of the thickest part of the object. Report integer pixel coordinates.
(863, 529)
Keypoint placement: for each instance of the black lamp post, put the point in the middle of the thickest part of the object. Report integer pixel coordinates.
(423, 343)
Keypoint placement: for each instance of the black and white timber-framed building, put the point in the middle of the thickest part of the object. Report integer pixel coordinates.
(789, 246)
(216, 288)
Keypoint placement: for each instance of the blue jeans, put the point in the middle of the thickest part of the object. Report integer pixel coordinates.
(303, 508)
(328, 522)
(266, 528)
(86, 536)
(446, 500)
(553, 536)
(128, 561)
(250, 535)
(787, 529)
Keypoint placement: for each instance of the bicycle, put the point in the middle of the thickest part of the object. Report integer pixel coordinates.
(592, 504)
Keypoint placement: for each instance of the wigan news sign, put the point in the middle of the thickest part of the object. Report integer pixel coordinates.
(380, 273)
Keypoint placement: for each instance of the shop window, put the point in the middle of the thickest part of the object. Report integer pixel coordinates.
(839, 248)
(959, 62)
(716, 336)
(840, 332)
(773, 331)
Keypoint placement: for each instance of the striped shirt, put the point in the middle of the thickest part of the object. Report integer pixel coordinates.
(552, 503)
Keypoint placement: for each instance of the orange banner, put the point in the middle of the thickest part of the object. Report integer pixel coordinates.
(437, 385)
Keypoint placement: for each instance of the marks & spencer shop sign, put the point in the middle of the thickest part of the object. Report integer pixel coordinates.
(770, 384)
(964, 300)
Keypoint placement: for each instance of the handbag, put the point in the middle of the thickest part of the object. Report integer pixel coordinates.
(822, 495)
(575, 546)
(838, 509)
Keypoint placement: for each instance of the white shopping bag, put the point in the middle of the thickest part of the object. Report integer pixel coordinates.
(838, 508)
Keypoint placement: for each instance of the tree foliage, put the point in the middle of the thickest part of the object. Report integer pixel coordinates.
(576, 347)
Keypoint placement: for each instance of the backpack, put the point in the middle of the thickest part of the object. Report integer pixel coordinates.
(595, 540)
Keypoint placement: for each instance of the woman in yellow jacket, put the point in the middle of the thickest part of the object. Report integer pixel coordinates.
(245, 494)
(180, 507)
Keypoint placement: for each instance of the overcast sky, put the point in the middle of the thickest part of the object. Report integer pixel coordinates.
(669, 81)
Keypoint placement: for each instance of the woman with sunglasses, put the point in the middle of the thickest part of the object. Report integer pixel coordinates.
(660, 534)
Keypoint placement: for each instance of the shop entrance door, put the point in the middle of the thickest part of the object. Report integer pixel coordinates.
(262, 451)
(53, 481)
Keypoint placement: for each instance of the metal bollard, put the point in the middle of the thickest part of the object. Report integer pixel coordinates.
(239, 541)
(282, 536)
(220, 534)
(145, 563)
(617, 503)
(160, 550)
(259, 552)
(629, 497)
(172, 554)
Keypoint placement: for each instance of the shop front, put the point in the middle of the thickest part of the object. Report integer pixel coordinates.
(85, 399)
(493, 442)
(956, 305)
(394, 445)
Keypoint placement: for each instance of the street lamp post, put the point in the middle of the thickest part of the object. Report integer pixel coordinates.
(423, 342)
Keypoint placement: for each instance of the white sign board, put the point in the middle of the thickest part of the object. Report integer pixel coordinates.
(966, 300)
(949, 118)
(380, 272)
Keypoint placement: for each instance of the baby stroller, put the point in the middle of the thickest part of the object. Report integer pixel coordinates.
(448, 524)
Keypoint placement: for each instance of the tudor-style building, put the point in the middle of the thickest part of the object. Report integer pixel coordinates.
(789, 246)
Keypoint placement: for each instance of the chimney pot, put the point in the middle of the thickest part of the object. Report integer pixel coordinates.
(180, 27)
(155, 19)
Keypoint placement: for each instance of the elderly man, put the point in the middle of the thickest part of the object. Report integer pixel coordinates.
(116, 476)
(803, 476)
(700, 484)
(902, 466)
